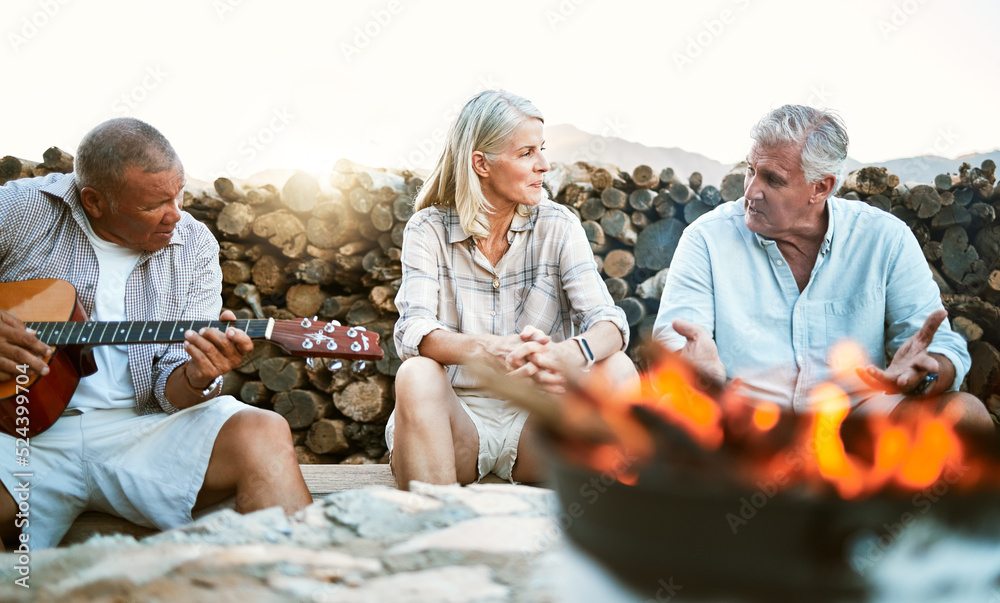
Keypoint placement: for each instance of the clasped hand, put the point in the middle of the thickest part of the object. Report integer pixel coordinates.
(534, 355)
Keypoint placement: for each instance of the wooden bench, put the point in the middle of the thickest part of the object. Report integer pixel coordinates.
(321, 479)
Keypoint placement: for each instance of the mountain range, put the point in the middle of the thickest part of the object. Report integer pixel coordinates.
(567, 144)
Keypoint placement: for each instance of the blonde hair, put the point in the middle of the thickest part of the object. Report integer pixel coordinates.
(486, 123)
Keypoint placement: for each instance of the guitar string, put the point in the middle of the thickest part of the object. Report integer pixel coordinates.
(80, 332)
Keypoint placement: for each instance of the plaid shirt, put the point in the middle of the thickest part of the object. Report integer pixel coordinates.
(42, 236)
(547, 279)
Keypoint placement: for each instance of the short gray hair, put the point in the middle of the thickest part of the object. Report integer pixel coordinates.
(107, 151)
(486, 123)
(820, 133)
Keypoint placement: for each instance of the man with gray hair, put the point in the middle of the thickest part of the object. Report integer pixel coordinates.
(148, 437)
(763, 287)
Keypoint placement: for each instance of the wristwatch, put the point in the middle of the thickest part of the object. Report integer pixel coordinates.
(925, 385)
(208, 392)
(587, 353)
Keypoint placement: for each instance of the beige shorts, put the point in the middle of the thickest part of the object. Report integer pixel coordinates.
(498, 424)
(145, 468)
(877, 404)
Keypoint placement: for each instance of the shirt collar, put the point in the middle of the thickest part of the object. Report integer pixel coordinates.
(65, 188)
(457, 234)
(832, 204)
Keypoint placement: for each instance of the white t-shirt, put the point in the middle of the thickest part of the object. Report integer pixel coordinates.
(111, 386)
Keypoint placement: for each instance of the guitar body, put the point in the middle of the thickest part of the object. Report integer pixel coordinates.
(47, 396)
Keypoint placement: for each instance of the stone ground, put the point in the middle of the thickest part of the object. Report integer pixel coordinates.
(481, 543)
(488, 542)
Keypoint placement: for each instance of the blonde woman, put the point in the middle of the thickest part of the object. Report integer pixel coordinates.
(491, 268)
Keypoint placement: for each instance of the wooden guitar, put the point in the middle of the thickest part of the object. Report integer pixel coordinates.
(30, 404)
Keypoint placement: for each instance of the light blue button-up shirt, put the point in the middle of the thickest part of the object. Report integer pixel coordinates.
(870, 283)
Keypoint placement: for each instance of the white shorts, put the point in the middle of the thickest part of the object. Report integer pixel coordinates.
(499, 425)
(877, 404)
(147, 469)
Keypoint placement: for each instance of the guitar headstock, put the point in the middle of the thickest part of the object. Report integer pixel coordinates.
(315, 339)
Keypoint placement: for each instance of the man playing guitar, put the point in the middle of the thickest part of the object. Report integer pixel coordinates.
(147, 437)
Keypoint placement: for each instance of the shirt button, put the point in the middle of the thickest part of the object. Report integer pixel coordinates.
(496, 283)
(799, 358)
(780, 262)
(493, 313)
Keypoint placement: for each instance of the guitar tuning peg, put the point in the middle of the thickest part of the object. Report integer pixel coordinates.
(311, 363)
(315, 318)
(360, 368)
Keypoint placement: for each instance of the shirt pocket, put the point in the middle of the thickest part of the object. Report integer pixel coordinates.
(861, 318)
(538, 304)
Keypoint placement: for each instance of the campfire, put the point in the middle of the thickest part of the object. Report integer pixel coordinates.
(682, 417)
(688, 478)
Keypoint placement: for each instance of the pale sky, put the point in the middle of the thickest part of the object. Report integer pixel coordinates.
(240, 86)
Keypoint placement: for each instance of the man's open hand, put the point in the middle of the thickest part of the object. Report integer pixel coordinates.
(911, 362)
(700, 349)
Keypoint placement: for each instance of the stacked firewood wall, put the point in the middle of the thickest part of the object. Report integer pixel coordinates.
(330, 247)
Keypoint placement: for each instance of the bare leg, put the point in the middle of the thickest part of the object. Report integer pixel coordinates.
(254, 459)
(8, 509)
(530, 465)
(434, 440)
(969, 410)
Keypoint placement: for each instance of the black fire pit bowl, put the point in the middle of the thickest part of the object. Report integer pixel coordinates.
(716, 539)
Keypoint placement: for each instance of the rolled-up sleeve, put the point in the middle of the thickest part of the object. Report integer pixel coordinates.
(417, 299)
(911, 296)
(588, 295)
(202, 301)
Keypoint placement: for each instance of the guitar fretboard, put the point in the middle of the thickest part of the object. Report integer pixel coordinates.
(111, 333)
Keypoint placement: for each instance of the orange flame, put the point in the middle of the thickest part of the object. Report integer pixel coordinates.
(909, 452)
(831, 405)
(933, 447)
(683, 404)
(766, 415)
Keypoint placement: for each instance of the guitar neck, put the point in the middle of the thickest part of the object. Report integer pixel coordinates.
(118, 333)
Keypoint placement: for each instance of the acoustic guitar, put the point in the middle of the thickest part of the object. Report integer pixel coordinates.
(30, 404)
